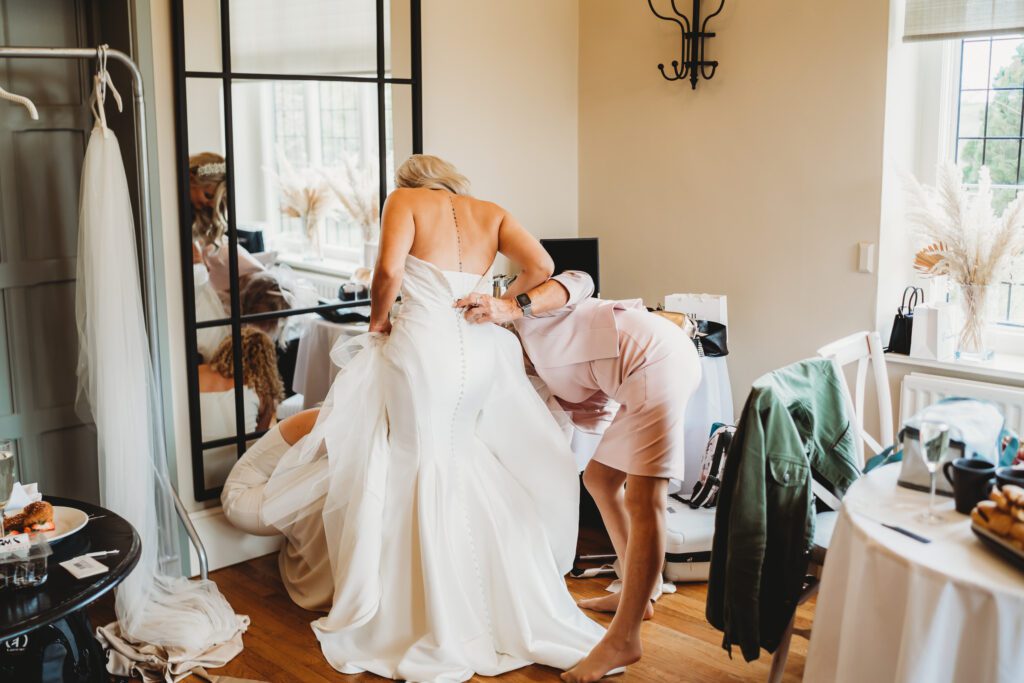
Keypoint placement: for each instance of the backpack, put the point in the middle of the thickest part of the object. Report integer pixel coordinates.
(705, 491)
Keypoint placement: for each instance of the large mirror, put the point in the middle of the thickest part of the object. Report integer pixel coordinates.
(291, 119)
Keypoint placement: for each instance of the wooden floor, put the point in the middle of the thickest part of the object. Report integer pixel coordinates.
(679, 644)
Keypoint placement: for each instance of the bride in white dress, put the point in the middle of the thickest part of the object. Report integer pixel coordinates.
(450, 496)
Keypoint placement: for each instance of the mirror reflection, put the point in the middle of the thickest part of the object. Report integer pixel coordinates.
(306, 176)
(261, 394)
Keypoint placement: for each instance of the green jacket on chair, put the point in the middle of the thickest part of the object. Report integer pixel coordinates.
(794, 423)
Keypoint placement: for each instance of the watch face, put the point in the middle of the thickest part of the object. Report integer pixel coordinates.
(523, 300)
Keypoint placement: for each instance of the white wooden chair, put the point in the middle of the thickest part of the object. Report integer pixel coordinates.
(862, 348)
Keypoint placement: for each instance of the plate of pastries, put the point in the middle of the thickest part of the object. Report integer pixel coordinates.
(54, 522)
(999, 523)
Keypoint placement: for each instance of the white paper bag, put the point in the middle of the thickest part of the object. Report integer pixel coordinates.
(711, 307)
(934, 332)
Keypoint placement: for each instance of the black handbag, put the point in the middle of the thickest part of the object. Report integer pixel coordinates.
(903, 323)
(711, 339)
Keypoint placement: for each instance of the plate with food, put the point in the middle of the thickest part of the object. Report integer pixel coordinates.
(999, 523)
(53, 521)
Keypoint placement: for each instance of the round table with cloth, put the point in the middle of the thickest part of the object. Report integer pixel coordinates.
(895, 609)
(314, 371)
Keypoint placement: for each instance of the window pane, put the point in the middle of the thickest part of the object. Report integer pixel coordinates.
(1006, 71)
(1001, 198)
(1004, 113)
(1001, 157)
(969, 157)
(975, 66)
(972, 113)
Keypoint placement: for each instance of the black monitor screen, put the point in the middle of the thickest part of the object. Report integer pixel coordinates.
(576, 253)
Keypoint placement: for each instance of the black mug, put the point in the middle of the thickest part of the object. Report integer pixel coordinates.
(971, 479)
(1009, 476)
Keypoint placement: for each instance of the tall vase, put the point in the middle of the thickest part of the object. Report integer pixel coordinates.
(976, 303)
(315, 230)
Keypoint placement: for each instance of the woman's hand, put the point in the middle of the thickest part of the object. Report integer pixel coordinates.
(381, 327)
(481, 308)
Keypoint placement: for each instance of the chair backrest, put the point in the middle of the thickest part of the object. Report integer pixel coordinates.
(864, 348)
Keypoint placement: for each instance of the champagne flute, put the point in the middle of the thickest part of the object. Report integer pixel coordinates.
(933, 437)
(6, 471)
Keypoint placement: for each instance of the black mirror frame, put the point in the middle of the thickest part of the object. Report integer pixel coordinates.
(201, 491)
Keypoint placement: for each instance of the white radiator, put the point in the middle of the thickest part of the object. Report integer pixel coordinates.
(920, 391)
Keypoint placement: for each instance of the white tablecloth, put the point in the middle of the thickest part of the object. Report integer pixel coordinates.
(314, 370)
(894, 609)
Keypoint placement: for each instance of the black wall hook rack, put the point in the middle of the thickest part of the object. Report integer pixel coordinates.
(691, 63)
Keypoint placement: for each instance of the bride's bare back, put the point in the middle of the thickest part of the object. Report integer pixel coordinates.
(435, 238)
(420, 222)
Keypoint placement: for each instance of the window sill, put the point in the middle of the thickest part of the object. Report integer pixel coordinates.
(343, 269)
(1006, 367)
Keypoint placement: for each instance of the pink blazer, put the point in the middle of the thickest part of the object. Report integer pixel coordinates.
(581, 331)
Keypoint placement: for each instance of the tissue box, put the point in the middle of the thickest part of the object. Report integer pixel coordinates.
(711, 307)
(23, 561)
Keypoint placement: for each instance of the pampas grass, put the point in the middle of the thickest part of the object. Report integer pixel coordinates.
(357, 192)
(305, 194)
(966, 242)
(965, 239)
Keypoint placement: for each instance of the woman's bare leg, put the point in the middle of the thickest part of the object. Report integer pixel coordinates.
(606, 485)
(645, 556)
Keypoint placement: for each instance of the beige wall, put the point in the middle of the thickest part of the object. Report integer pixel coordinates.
(758, 185)
(500, 101)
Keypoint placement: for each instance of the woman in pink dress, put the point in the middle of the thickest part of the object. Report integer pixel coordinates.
(594, 354)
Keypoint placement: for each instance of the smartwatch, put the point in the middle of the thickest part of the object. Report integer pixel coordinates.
(525, 303)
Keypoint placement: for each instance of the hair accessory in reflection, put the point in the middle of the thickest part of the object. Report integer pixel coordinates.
(211, 169)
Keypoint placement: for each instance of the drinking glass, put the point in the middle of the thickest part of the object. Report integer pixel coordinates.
(934, 440)
(6, 471)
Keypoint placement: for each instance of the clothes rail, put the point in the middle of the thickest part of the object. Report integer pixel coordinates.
(149, 267)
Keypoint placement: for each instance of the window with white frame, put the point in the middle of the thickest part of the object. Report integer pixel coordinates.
(990, 132)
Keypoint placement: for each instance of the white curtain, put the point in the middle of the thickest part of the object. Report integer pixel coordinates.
(945, 19)
(157, 608)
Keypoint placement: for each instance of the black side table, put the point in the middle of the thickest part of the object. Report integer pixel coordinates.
(45, 633)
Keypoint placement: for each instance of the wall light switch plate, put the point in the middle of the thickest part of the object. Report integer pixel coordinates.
(866, 257)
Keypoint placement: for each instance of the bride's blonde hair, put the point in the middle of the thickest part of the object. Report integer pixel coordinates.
(432, 173)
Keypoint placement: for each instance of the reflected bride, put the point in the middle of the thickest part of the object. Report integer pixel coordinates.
(449, 495)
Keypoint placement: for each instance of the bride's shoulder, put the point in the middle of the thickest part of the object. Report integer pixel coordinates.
(485, 211)
(404, 196)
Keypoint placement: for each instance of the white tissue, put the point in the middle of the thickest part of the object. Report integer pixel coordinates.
(22, 495)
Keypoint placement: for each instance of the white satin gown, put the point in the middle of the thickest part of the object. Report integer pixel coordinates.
(451, 499)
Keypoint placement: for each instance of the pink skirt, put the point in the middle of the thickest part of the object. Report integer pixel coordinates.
(646, 436)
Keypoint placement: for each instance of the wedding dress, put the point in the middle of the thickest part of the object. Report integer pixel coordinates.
(450, 499)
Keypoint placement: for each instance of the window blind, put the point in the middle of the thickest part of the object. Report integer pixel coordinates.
(945, 19)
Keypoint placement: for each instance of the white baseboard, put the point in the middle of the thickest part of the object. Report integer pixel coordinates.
(225, 545)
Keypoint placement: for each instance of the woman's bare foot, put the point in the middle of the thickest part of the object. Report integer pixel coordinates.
(610, 603)
(602, 660)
